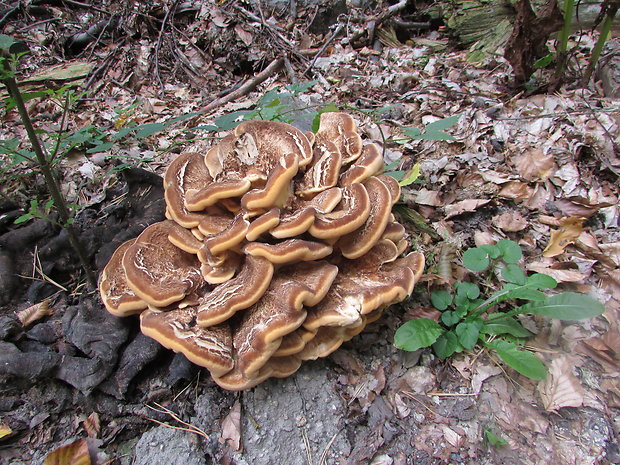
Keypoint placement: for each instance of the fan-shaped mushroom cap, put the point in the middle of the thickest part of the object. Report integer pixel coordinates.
(367, 165)
(116, 294)
(262, 224)
(360, 241)
(277, 190)
(291, 250)
(186, 172)
(294, 342)
(281, 367)
(280, 311)
(394, 232)
(177, 330)
(323, 171)
(392, 185)
(364, 285)
(302, 214)
(199, 199)
(326, 340)
(340, 129)
(220, 269)
(294, 223)
(158, 271)
(239, 293)
(351, 213)
(184, 239)
(233, 235)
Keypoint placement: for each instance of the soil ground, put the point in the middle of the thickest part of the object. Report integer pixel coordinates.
(525, 164)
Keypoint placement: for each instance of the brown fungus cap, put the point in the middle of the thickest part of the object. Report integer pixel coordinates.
(369, 164)
(280, 311)
(341, 130)
(177, 330)
(239, 293)
(360, 241)
(351, 213)
(279, 247)
(116, 294)
(186, 172)
(158, 271)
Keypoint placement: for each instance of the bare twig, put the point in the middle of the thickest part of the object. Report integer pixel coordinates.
(246, 88)
(322, 49)
(378, 20)
(170, 10)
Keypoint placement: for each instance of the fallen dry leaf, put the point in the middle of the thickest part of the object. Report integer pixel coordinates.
(510, 221)
(561, 388)
(482, 373)
(426, 197)
(605, 350)
(468, 205)
(560, 275)
(92, 425)
(5, 430)
(569, 231)
(34, 312)
(516, 190)
(612, 250)
(578, 206)
(75, 453)
(534, 165)
(231, 427)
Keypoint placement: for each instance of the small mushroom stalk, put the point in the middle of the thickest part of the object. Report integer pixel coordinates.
(278, 247)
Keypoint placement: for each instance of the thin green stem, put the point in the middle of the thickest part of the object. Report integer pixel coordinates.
(50, 179)
(612, 9)
(569, 8)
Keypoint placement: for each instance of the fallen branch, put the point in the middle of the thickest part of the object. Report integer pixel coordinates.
(246, 88)
(327, 42)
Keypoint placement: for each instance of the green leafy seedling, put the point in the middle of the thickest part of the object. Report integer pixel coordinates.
(469, 319)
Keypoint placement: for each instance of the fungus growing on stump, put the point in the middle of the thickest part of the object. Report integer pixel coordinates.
(279, 246)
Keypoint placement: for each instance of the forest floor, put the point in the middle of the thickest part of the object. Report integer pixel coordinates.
(538, 168)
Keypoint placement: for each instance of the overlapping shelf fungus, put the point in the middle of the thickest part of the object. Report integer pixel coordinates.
(279, 245)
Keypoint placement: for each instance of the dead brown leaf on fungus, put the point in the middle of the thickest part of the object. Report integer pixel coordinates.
(464, 206)
(534, 165)
(561, 388)
(510, 221)
(570, 229)
(231, 427)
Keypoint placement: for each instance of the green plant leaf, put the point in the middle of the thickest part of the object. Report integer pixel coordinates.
(412, 175)
(6, 41)
(522, 361)
(231, 120)
(435, 135)
(493, 439)
(510, 251)
(446, 345)
(566, 306)
(525, 293)
(450, 318)
(506, 325)
(514, 274)
(468, 332)
(411, 131)
(541, 281)
(475, 259)
(441, 299)
(104, 147)
(415, 334)
(471, 290)
(544, 61)
(491, 249)
(442, 124)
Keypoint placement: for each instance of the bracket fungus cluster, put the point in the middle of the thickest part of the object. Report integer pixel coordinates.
(279, 245)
